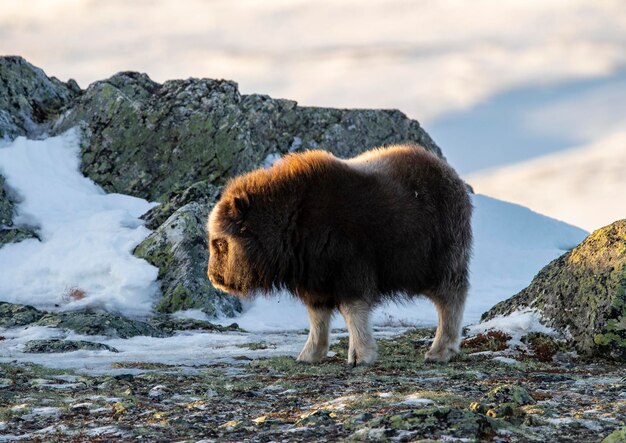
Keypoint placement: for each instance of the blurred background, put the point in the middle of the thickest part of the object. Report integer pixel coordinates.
(527, 99)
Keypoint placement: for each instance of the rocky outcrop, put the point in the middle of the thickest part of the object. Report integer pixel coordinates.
(12, 315)
(149, 139)
(56, 345)
(88, 323)
(30, 100)
(179, 249)
(202, 192)
(582, 294)
(102, 323)
(99, 323)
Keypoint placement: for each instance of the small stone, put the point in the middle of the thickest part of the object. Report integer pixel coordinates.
(158, 391)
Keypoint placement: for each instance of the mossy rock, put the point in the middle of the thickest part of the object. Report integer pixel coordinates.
(12, 315)
(434, 423)
(617, 436)
(508, 394)
(6, 206)
(56, 345)
(149, 139)
(202, 192)
(170, 325)
(582, 294)
(99, 323)
(8, 232)
(179, 249)
(30, 100)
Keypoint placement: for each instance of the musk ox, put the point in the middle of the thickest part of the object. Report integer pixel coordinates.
(347, 234)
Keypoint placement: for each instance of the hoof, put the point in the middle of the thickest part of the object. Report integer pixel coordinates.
(361, 359)
(440, 356)
(307, 356)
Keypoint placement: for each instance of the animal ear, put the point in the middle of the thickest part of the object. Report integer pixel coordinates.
(240, 207)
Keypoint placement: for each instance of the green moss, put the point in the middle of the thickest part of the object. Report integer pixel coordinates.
(609, 339)
(157, 254)
(175, 300)
(617, 436)
(435, 422)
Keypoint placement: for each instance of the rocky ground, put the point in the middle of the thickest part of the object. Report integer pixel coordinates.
(537, 392)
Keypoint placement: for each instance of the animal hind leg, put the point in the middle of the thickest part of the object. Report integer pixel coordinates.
(316, 346)
(362, 346)
(447, 338)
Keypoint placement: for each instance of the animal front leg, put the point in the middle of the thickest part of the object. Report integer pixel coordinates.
(362, 346)
(316, 346)
(448, 335)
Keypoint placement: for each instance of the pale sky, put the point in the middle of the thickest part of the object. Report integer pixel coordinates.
(495, 82)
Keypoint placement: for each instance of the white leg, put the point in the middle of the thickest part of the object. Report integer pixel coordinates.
(316, 346)
(448, 335)
(362, 348)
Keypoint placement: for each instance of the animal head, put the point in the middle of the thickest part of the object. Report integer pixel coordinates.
(248, 236)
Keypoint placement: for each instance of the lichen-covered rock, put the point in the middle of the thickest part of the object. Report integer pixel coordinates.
(203, 193)
(29, 99)
(57, 345)
(98, 323)
(432, 423)
(582, 294)
(6, 206)
(179, 249)
(508, 394)
(12, 315)
(617, 436)
(170, 325)
(15, 235)
(9, 233)
(148, 139)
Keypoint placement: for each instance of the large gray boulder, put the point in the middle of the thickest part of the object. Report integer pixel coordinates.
(12, 315)
(149, 139)
(30, 100)
(179, 249)
(582, 294)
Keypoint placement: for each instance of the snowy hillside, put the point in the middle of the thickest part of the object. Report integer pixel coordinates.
(585, 185)
(87, 239)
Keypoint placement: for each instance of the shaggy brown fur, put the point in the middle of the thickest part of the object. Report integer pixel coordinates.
(347, 234)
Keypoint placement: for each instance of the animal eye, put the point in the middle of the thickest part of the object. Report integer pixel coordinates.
(220, 245)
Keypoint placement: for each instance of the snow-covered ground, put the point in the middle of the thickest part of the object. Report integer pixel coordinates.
(88, 236)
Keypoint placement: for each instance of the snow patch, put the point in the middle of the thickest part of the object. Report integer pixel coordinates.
(506, 360)
(85, 256)
(517, 324)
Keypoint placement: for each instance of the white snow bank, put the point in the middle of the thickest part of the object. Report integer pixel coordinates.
(517, 324)
(511, 244)
(87, 235)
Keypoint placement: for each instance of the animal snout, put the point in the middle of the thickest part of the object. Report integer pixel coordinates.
(216, 278)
